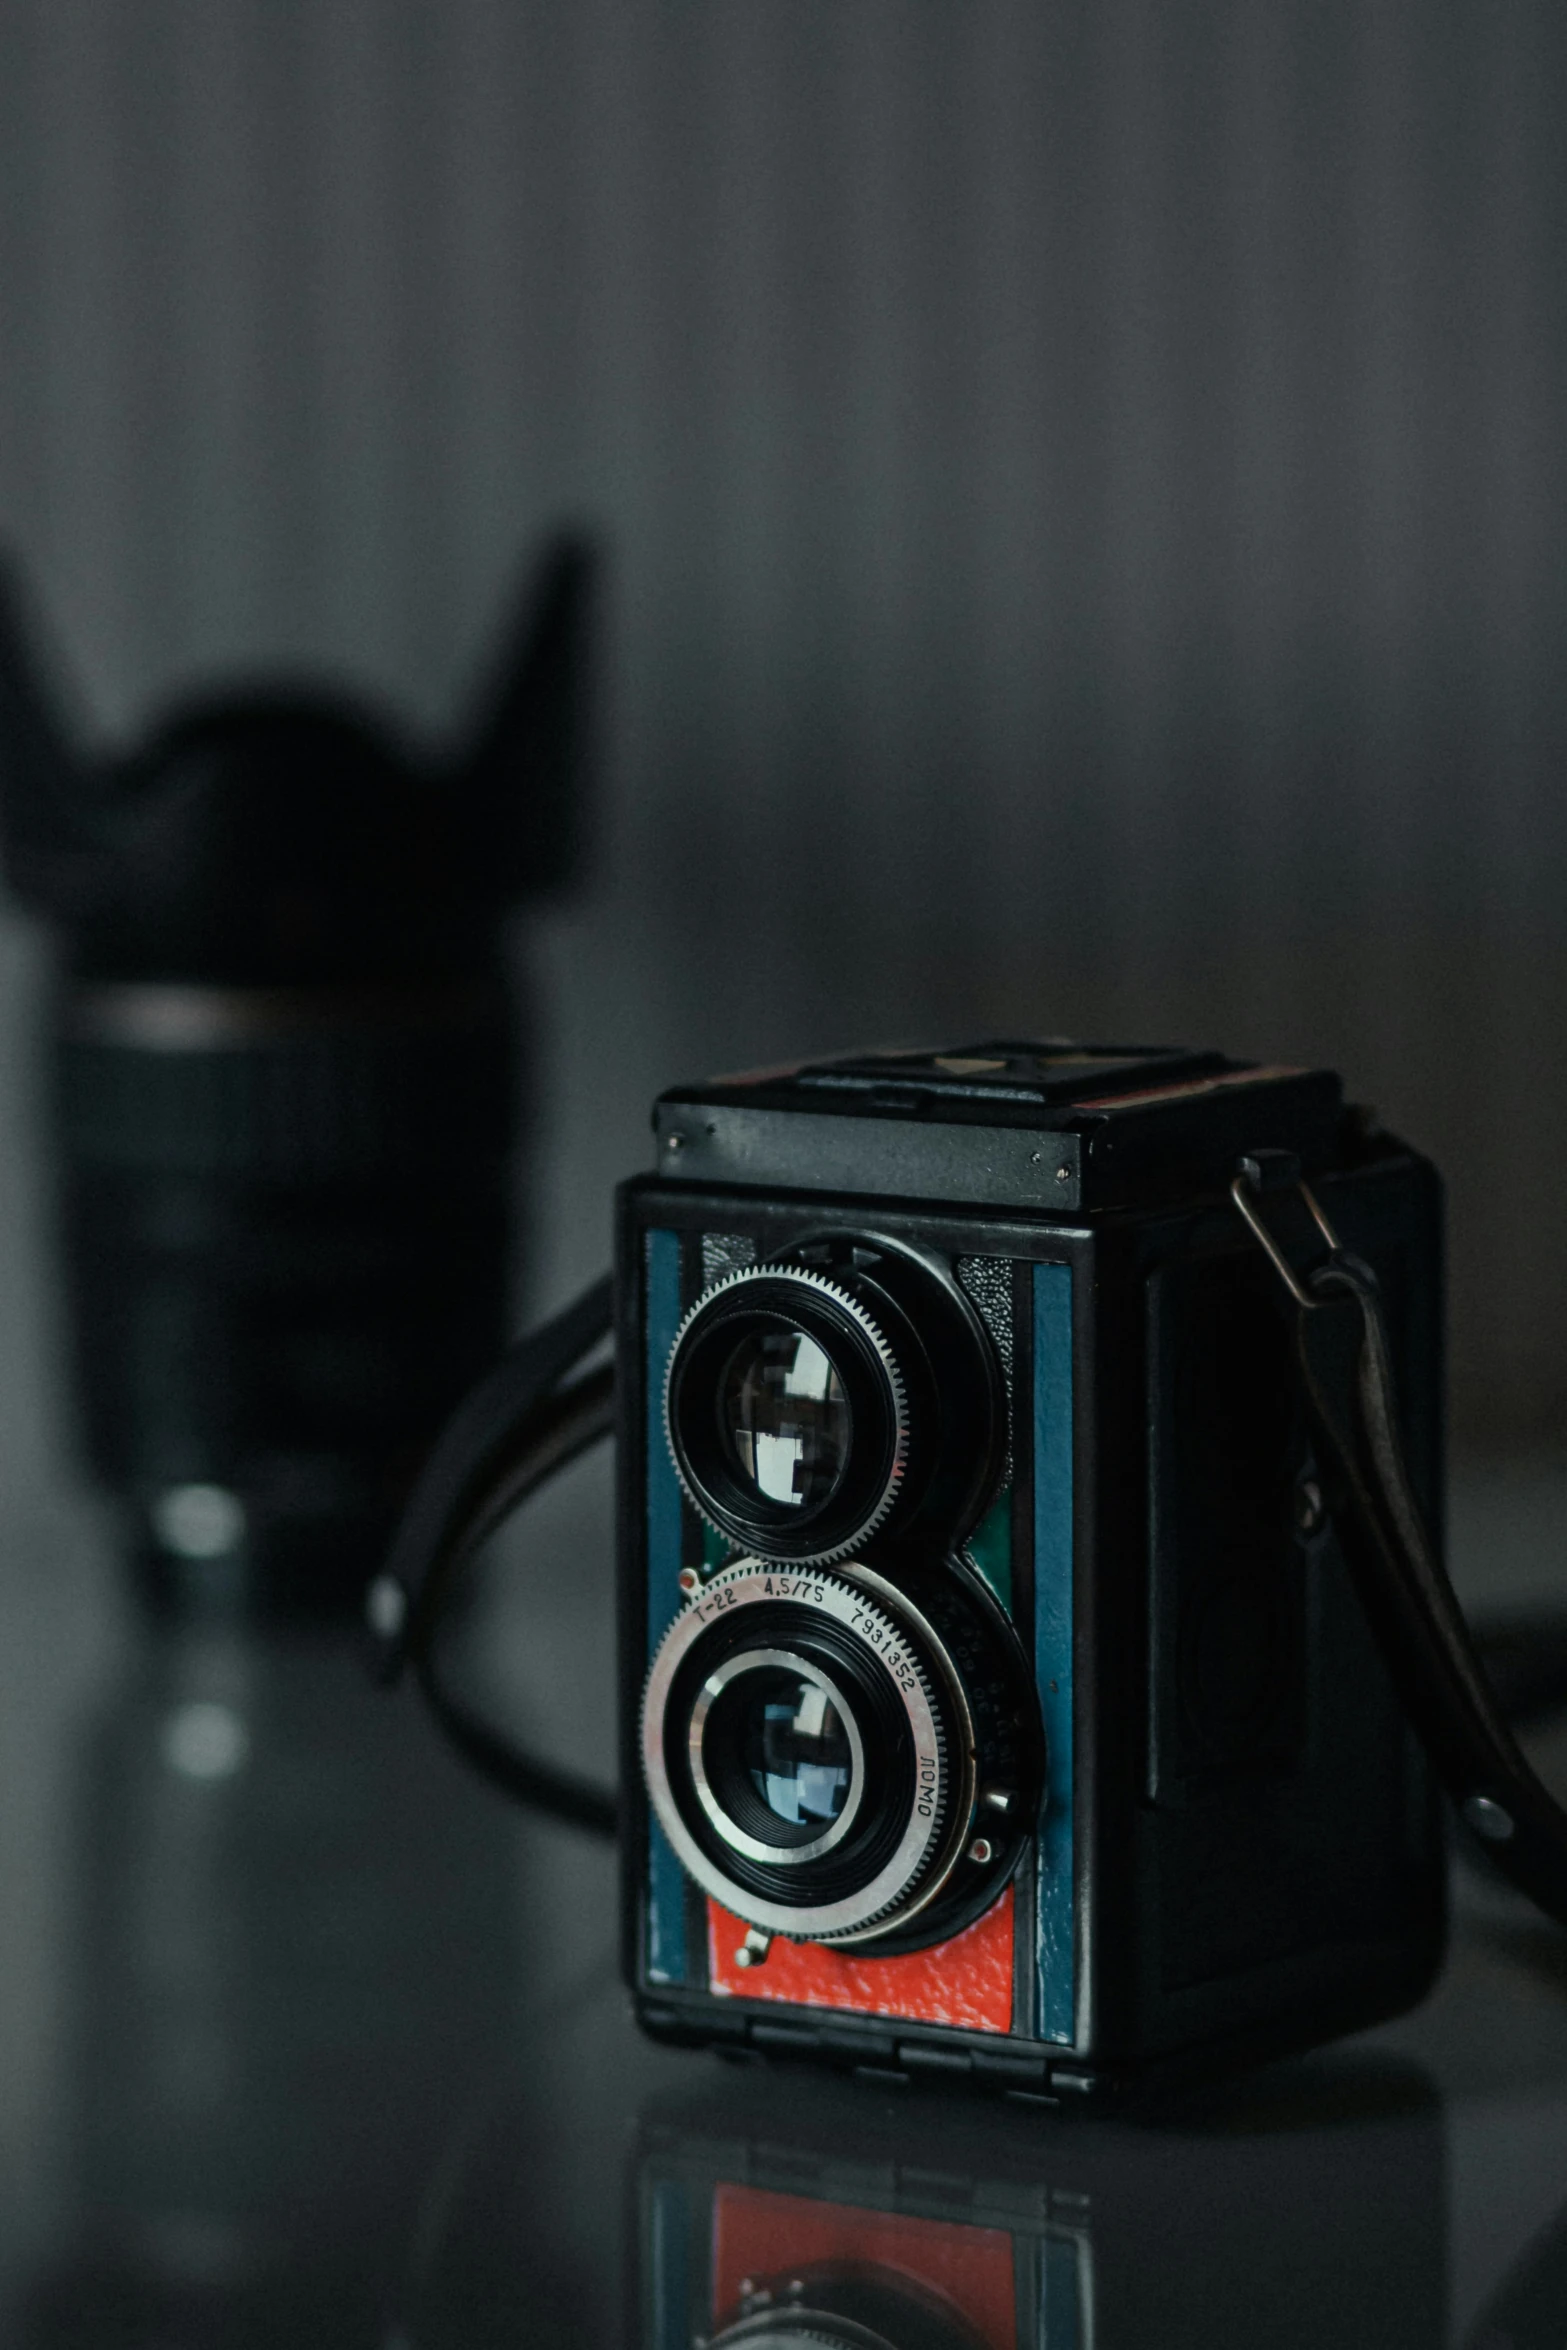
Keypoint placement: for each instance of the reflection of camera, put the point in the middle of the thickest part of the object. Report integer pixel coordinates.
(996, 1702)
(786, 2269)
(774, 2223)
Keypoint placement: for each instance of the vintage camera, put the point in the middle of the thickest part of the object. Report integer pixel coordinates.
(996, 1704)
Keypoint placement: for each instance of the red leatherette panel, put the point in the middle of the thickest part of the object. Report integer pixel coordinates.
(967, 1981)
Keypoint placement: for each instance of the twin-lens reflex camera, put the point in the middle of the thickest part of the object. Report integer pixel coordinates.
(996, 1703)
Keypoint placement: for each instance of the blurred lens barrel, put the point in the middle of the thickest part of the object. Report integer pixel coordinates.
(289, 1072)
(284, 1216)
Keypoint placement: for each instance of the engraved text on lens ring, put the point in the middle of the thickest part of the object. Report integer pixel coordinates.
(938, 1777)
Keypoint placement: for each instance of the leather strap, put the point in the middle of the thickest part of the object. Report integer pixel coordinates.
(1347, 1378)
(535, 1412)
(472, 1456)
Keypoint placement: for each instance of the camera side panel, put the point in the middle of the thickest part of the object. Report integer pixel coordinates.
(1270, 1868)
(672, 1922)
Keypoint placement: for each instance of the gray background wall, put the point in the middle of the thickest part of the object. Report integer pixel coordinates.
(1085, 486)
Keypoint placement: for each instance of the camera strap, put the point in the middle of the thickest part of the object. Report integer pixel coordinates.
(1341, 1345)
(536, 1411)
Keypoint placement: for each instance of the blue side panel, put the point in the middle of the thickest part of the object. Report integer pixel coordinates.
(1061, 2297)
(1053, 1643)
(666, 1886)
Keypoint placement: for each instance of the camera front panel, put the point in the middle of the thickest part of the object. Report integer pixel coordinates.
(849, 1554)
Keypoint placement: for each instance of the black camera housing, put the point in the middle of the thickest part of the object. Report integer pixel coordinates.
(1180, 1820)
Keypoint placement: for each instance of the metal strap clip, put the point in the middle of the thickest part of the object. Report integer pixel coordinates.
(1265, 1171)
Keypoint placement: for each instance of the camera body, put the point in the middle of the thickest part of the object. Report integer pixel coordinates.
(995, 1702)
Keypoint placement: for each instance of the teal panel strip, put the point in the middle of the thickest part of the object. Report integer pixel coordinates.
(666, 1884)
(1053, 1643)
(990, 1547)
(1061, 2297)
(671, 2313)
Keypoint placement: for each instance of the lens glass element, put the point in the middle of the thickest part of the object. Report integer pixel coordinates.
(795, 1749)
(784, 1417)
(777, 1762)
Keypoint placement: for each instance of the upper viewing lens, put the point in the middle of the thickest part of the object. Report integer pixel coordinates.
(785, 1417)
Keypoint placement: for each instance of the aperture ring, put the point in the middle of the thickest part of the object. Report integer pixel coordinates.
(935, 1791)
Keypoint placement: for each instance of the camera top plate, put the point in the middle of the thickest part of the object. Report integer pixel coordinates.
(1052, 1126)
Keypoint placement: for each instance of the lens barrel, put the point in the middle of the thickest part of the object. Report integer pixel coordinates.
(906, 1725)
(819, 1745)
(833, 1392)
(285, 1222)
(289, 1070)
(776, 1756)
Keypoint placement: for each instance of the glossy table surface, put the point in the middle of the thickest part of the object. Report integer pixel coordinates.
(305, 2037)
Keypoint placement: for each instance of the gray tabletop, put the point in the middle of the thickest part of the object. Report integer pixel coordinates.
(304, 2035)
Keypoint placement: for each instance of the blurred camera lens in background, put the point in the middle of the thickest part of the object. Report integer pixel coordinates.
(289, 1072)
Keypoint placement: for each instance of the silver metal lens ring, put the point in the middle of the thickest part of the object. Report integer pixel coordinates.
(887, 1648)
(726, 1675)
(829, 1532)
